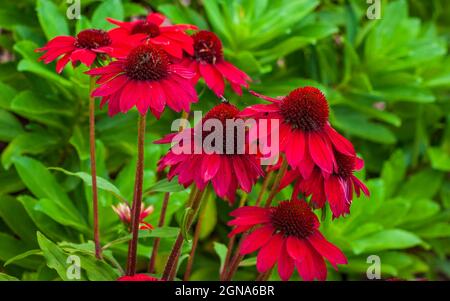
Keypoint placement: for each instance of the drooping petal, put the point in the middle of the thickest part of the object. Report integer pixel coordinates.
(62, 63)
(85, 56)
(210, 166)
(269, 254)
(360, 185)
(341, 144)
(110, 87)
(321, 152)
(213, 78)
(327, 249)
(295, 247)
(295, 149)
(285, 263)
(312, 266)
(335, 193)
(241, 175)
(256, 239)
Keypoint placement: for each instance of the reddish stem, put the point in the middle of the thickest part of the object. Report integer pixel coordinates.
(231, 243)
(198, 229)
(137, 200)
(162, 218)
(98, 247)
(194, 202)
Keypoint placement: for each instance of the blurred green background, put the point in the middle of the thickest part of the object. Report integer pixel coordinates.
(387, 81)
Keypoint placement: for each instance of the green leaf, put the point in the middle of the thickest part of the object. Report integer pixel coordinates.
(165, 185)
(53, 22)
(209, 217)
(17, 219)
(162, 232)
(386, 240)
(439, 230)
(80, 141)
(393, 172)
(419, 185)
(7, 93)
(249, 262)
(87, 179)
(28, 143)
(45, 224)
(440, 158)
(221, 251)
(22, 256)
(53, 210)
(29, 102)
(107, 9)
(10, 127)
(421, 210)
(44, 185)
(10, 247)
(54, 255)
(358, 125)
(5, 277)
(37, 68)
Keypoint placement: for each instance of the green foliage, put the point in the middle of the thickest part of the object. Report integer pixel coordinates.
(387, 82)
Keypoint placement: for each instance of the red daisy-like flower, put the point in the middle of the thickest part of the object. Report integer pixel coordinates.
(148, 79)
(287, 235)
(172, 38)
(208, 62)
(337, 188)
(123, 210)
(226, 171)
(138, 277)
(305, 135)
(83, 48)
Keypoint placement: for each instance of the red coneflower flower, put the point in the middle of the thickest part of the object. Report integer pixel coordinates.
(305, 135)
(147, 79)
(138, 277)
(84, 48)
(227, 172)
(123, 210)
(172, 38)
(208, 62)
(337, 188)
(287, 235)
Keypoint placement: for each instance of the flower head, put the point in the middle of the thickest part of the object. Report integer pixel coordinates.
(138, 277)
(83, 48)
(146, 78)
(337, 188)
(172, 38)
(226, 170)
(305, 135)
(123, 210)
(208, 62)
(288, 235)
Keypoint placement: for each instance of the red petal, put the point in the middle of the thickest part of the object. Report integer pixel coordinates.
(285, 264)
(327, 249)
(256, 239)
(269, 254)
(321, 152)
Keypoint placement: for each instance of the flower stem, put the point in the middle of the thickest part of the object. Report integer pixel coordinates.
(231, 244)
(162, 218)
(198, 229)
(276, 183)
(98, 247)
(194, 203)
(137, 199)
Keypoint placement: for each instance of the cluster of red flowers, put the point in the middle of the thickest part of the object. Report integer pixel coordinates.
(150, 63)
